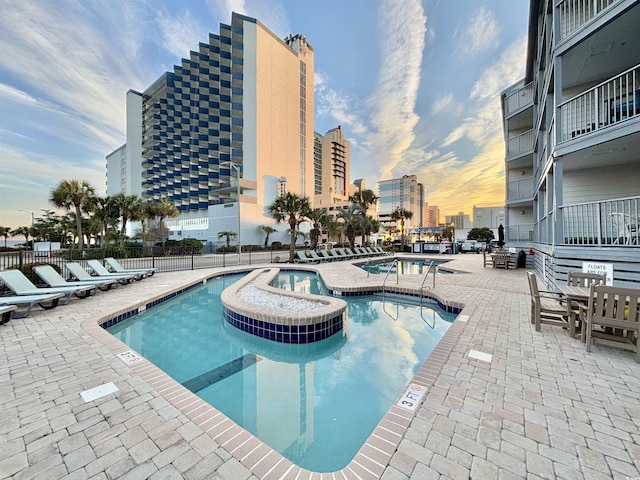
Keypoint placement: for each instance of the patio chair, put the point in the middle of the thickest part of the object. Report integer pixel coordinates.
(326, 256)
(302, 258)
(52, 278)
(19, 284)
(613, 318)
(550, 308)
(501, 260)
(117, 268)
(76, 271)
(625, 228)
(101, 271)
(314, 255)
(337, 254)
(487, 259)
(581, 279)
(45, 300)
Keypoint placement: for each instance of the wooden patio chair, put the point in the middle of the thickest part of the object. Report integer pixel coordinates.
(581, 279)
(613, 318)
(550, 308)
(487, 259)
(501, 260)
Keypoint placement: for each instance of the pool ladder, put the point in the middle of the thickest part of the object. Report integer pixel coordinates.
(384, 282)
(424, 279)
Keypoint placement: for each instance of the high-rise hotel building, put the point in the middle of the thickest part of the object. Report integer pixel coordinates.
(238, 109)
(405, 193)
(331, 164)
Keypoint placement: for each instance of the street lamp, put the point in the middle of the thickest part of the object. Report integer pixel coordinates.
(27, 211)
(237, 169)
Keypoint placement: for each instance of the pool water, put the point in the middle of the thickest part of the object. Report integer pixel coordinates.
(315, 403)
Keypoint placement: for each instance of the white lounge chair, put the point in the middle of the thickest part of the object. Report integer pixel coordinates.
(101, 271)
(46, 300)
(17, 282)
(302, 258)
(315, 256)
(327, 256)
(117, 268)
(6, 311)
(52, 278)
(79, 273)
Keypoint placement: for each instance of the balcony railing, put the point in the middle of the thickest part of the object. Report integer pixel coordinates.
(520, 189)
(614, 222)
(520, 144)
(517, 100)
(608, 103)
(519, 233)
(576, 13)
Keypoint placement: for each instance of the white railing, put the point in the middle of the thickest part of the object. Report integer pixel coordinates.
(576, 13)
(612, 222)
(517, 100)
(519, 233)
(520, 144)
(520, 189)
(608, 103)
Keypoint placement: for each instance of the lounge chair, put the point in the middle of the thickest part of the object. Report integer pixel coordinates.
(550, 308)
(46, 300)
(53, 279)
(612, 318)
(17, 282)
(76, 271)
(6, 311)
(326, 256)
(117, 268)
(101, 271)
(315, 256)
(336, 254)
(302, 258)
(347, 253)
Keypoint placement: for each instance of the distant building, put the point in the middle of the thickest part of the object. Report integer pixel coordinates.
(238, 109)
(572, 135)
(459, 221)
(488, 217)
(331, 165)
(406, 193)
(433, 216)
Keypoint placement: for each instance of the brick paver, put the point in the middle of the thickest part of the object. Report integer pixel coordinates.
(542, 408)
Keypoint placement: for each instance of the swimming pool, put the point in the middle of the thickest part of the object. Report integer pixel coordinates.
(404, 266)
(314, 403)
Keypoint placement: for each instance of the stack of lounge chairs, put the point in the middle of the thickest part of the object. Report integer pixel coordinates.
(333, 254)
(58, 291)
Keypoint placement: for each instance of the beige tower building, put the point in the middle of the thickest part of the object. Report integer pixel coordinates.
(331, 165)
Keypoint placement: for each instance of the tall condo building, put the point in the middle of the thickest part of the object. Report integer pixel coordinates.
(331, 165)
(224, 132)
(572, 132)
(406, 193)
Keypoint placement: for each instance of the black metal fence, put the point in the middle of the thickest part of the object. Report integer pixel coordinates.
(133, 258)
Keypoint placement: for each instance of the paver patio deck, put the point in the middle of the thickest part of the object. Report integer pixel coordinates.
(541, 408)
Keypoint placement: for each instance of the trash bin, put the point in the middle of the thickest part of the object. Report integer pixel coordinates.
(522, 259)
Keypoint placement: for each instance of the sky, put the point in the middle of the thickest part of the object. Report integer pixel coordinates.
(414, 85)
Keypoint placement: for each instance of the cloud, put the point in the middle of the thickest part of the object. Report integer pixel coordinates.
(180, 34)
(393, 118)
(344, 109)
(481, 33)
(271, 14)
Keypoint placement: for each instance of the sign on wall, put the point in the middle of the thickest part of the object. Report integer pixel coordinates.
(599, 268)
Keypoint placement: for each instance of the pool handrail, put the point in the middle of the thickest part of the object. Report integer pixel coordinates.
(424, 279)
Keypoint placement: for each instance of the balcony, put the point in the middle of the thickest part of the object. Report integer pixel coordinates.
(521, 189)
(518, 100)
(606, 104)
(612, 223)
(576, 13)
(520, 144)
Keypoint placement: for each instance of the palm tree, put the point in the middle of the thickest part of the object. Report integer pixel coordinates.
(76, 195)
(228, 235)
(319, 219)
(26, 231)
(268, 230)
(364, 198)
(128, 207)
(352, 219)
(104, 214)
(400, 215)
(165, 209)
(5, 232)
(293, 209)
(143, 212)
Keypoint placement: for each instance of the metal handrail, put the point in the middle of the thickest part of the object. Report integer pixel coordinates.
(384, 282)
(424, 279)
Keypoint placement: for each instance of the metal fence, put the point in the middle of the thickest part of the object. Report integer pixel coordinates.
(133, 258)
